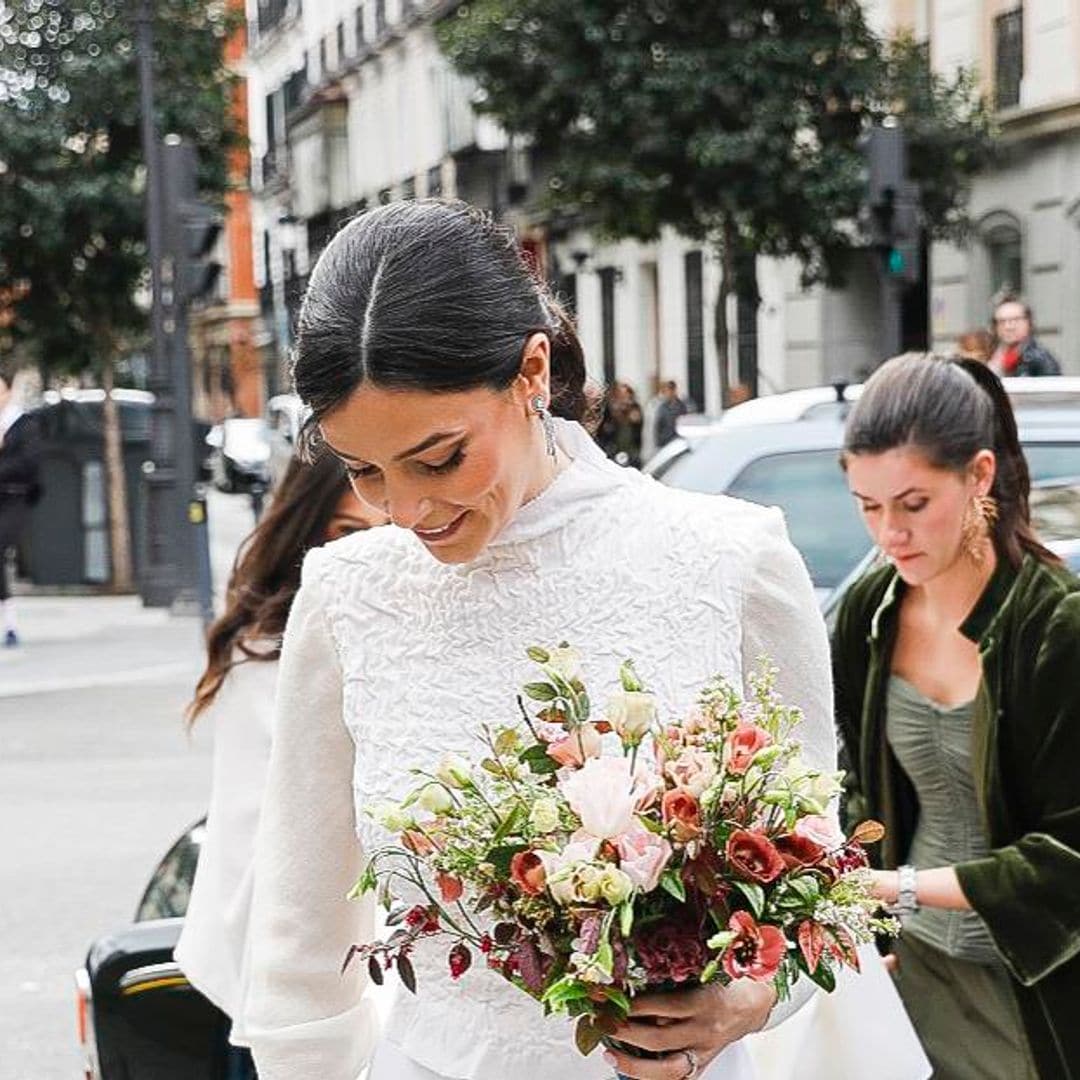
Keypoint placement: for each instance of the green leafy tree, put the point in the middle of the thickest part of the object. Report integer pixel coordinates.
(72, 180)
(734, 122)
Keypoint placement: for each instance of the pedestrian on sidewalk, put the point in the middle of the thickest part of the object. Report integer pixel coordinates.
(1016, 352)
(20, 487)
(959, 706)
(312, 505)
(668, 412)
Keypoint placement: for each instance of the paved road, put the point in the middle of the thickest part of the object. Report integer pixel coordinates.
(97, 776)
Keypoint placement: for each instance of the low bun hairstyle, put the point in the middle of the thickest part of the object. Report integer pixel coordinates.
(950, 410)
(428, 295)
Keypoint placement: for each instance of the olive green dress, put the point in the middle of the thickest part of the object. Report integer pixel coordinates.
(952, 981)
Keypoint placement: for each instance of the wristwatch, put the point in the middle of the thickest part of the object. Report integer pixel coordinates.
(907, 898)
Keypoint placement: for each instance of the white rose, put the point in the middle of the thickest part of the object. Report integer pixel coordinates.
(614, 885)
(454, 771)
(632, 714)
(392, 818)
(544, 816)
(565, 661)
(604, 796)
(560, 867)
(435, 799)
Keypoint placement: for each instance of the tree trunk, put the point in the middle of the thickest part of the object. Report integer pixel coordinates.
(720, 320)
(123, 577)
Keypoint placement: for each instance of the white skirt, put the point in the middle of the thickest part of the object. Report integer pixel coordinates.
(390, 1063)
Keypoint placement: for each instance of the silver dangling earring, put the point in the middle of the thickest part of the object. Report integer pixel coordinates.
(547, 422)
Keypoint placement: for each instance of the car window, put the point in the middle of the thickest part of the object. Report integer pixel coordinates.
(821, 516)
(169, 890)
(1053, 461)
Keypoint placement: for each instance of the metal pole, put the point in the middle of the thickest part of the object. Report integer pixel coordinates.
(158, 578)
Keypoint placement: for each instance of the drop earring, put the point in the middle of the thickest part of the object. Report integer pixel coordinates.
(547, 422)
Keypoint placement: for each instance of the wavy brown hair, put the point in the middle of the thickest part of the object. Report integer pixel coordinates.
(266, 575)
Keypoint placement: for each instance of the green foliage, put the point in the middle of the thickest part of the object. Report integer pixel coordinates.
(733, 122)
(72, 178)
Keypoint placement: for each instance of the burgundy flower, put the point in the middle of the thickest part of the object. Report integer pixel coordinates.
(460, 960)
(671, 951)
(797, 851)
(757, 950)
(753, 857)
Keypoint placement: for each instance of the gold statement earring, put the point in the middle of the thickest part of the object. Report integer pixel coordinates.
(979, 519)
(546, 422)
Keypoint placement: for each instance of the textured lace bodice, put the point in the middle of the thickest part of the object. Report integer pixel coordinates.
(688, 585)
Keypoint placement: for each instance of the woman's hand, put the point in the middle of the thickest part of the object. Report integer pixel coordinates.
(704, 1020)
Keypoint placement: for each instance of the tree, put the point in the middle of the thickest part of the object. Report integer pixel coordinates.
(72, 231)
(734, 122)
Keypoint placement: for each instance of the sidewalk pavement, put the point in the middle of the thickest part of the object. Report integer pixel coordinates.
(82, 642)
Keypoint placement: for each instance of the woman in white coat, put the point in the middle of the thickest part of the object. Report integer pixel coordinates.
(451, 386)
(313, 504)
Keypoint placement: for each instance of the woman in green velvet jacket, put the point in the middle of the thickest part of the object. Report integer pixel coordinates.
(957, 672)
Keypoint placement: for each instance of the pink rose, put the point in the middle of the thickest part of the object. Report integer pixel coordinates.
(576, 747)
(820, 830)
(604, 795)
(693, 769)
(642, 857)
(742, 744)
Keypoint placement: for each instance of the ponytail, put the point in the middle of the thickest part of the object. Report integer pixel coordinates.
(569, 398)
(1014, 536)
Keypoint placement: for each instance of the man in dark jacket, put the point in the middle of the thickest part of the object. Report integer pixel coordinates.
(19, 487)
(1017, 352)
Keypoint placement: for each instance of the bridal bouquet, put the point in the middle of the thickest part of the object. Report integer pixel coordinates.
(698, 849)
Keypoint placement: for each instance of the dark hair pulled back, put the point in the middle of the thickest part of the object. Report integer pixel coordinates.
(950, 410)
(428, 295)
(266, 575)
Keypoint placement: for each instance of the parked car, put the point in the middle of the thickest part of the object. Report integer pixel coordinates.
(240, 454)
(284, 417)
(786, 455)
(137, 1016)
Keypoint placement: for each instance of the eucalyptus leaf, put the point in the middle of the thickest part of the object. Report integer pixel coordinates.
(538, 655)
(755, 896)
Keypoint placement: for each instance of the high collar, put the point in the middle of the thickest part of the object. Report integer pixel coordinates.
(589, 475)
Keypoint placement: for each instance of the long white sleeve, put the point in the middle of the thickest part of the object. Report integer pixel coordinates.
(302, 1018)
(782, 621)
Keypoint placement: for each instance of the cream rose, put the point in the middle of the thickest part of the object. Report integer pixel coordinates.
(632, 713)
(565, 661)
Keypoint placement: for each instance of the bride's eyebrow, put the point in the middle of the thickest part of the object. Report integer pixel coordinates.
(419, 448)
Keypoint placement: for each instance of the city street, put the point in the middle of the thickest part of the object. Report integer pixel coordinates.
(97, 777)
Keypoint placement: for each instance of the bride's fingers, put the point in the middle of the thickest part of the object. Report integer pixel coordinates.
(674, 1005)
(670, 1067)
(670, 1036)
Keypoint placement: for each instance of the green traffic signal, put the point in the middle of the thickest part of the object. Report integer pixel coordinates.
(895, 262)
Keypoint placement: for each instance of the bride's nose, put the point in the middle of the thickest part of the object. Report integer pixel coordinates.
(406, 503)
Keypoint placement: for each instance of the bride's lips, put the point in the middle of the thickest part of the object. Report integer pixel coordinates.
(443, 534)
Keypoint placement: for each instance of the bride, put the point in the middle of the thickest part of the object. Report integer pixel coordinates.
(451, 387)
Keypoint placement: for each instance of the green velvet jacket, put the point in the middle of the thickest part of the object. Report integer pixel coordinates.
(1026, 757)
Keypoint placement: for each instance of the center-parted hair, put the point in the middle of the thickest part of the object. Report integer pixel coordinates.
(429, 295)
(949, 410)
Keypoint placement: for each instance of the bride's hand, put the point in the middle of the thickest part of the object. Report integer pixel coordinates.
(704, 1021)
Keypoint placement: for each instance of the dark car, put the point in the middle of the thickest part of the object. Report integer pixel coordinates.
(138, 1016)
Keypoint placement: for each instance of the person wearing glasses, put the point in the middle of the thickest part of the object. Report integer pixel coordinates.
(1016, 352)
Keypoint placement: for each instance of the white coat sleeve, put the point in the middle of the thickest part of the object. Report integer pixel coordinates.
(782, 622)
(303, 1018)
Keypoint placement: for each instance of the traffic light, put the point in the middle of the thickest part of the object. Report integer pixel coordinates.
(193, 225)
(890, 215)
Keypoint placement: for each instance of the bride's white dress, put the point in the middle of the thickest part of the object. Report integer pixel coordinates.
(392, 658)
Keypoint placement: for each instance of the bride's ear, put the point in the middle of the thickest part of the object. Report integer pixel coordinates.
(534, 377)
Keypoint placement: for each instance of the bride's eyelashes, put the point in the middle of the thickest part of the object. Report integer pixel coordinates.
(457, 456)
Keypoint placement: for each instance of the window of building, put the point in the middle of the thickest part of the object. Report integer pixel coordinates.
(1008, 58)
(434, 182)
(324, 67)
(607, 321)
(360, 38)
(408, 188)
(695, 328)
(1005, 256)
(380, 17)
(340, 44)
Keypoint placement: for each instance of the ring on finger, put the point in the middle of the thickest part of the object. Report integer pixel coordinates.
(691, 1065)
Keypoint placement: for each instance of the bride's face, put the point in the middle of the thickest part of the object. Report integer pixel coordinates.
(452, 467)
